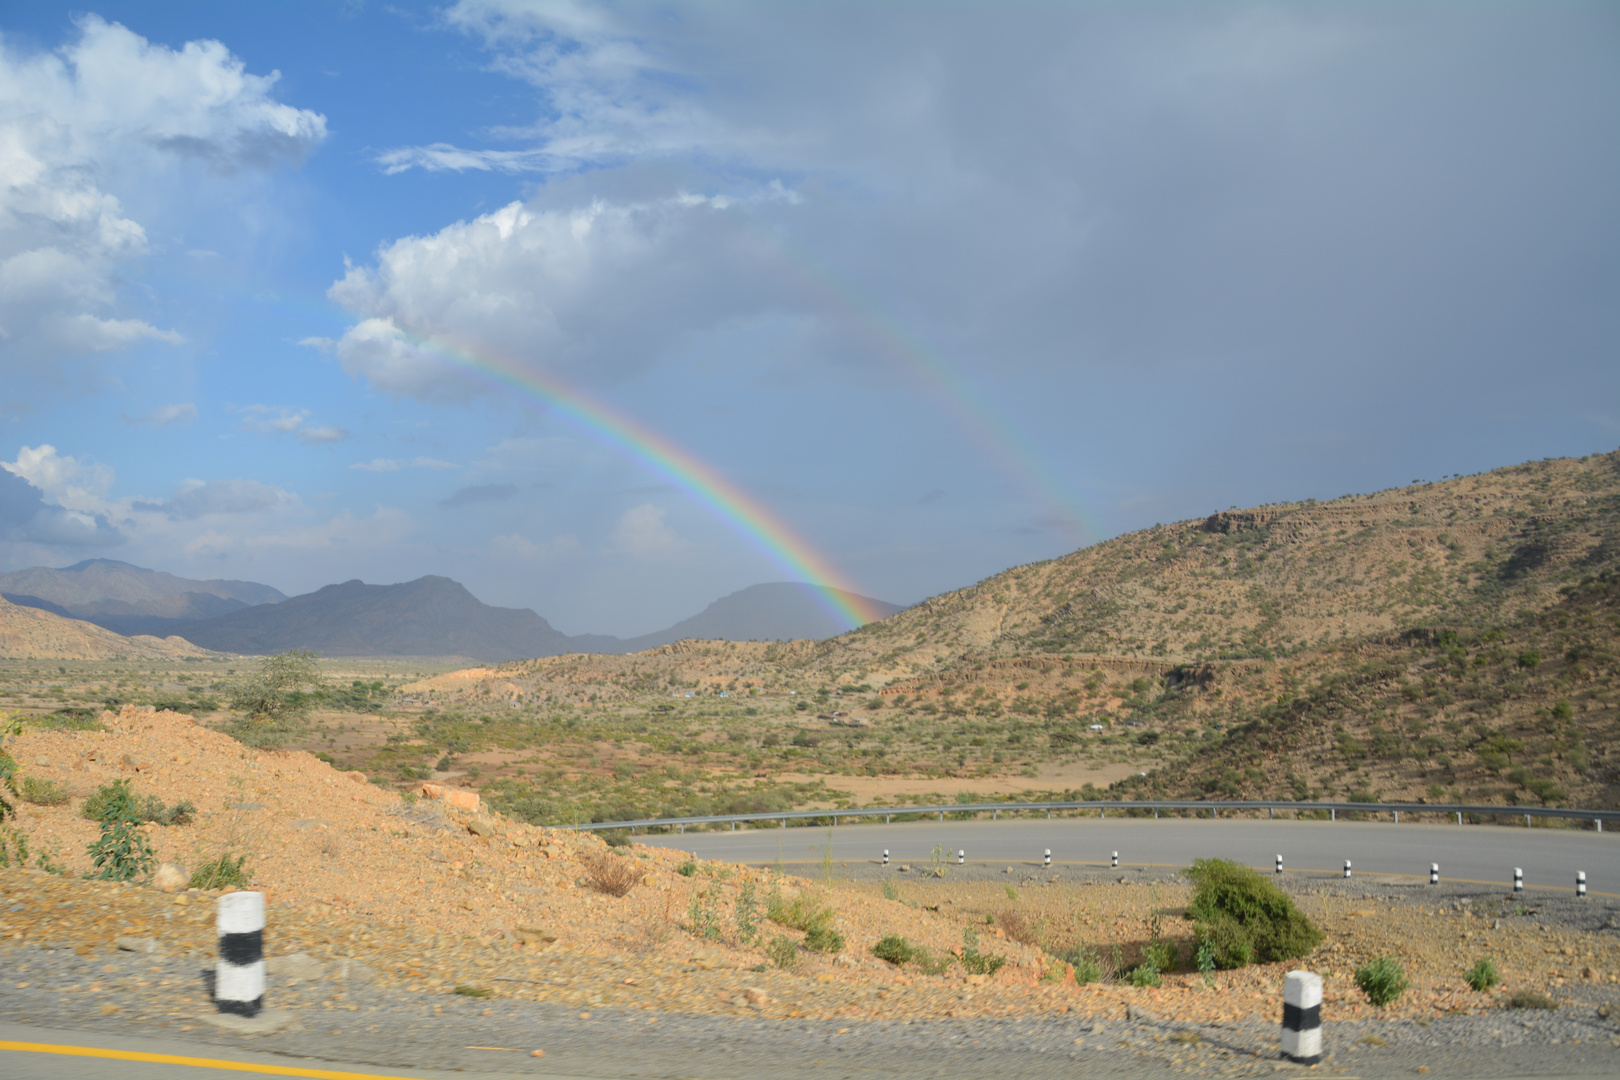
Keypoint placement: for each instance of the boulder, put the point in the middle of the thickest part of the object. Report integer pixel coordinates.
(534, 935)
(169, 878)
(457, 797)
(481, 826)
(356, 775)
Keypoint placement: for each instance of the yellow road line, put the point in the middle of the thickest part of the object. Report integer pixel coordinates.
(194, 1062)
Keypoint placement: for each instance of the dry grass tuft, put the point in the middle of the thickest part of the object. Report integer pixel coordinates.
(613, 874)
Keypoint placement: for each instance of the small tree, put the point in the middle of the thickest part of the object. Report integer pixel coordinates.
(273, 702)
(13, 844)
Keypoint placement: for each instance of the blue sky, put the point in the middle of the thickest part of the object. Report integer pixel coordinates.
(947, 287)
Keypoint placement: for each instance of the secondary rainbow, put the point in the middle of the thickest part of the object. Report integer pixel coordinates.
(771, 536)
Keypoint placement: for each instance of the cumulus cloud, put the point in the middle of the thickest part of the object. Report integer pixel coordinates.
(165, 415)
(479, 493)
(268, 420)
(642, 534)
(382, 529)
(606, 287)
(73, 483)
(111, 104)
(198, 498)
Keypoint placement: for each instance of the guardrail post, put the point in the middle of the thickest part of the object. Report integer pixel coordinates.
(885, 856)
(1580, 883)
(1459, 817)
(888, 819)
(239, 973)
(1527, 821)
(1518, 880)
(682, 828)
(1103, 810)
(1270, 815)
(1347, 869)
(1599, 822)
(942, 817)
(1397, 817)
(1333, 814)
(995, 815)
(1048, 863)
(1155, 813)
(1302, 1017)
(961, 857)
(1279, 864)
(1116, 860)
(1434, 873)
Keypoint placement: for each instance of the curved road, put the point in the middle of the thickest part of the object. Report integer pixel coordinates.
(1482, 853)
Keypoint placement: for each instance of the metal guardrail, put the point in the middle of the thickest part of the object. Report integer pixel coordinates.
(888, 813)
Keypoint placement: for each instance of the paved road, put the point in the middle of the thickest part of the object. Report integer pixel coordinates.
(1549, 857)
(192, 1061)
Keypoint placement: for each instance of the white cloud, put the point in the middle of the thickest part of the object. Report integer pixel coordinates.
(166, 415)
(79, 485)
(270, 420)
(382, 465)
(28, 517)
(111, 108)
(642, 534)
(199, 498)
(605, 287)
(521, 548)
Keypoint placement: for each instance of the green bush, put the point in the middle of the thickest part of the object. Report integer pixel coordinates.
(43, 792)
(1382, 980)
(473, 991)
(151, 808)
(220, 872)
(1145, 974)
(1245, 917)
(895, 949)
(687, 868)
(616, 837)
(1483, 975)
(122, 852)
(273, 706)
(823, 938)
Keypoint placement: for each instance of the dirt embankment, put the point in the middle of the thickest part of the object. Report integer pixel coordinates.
(430, 897)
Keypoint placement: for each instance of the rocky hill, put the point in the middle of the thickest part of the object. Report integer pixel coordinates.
(129, 599)
(431, 616)
(778, 611)
(28, 633)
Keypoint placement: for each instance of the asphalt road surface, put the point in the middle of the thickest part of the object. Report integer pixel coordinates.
(1479, 853)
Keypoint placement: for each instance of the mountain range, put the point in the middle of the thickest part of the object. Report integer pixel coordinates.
(431, 616)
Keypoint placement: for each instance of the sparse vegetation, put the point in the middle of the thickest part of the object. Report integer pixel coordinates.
(273, 704)
(43, 792)
(1530, 999)
(613, 875)
(219, 872)
(122, 853)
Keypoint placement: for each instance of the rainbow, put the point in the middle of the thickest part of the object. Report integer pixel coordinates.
(746, 515)
(935, 375)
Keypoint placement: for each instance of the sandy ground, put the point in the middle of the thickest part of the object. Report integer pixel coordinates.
(867, 789)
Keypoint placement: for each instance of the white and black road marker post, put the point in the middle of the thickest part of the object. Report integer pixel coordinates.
(1347, 868)
(1580, 883)
(885, 856)
(1048, 860)
(1116, 860)
(1434, 873)
(239, 973)
(1279, 864)
(961, 857)
(1518, 880)
(1302, 1018)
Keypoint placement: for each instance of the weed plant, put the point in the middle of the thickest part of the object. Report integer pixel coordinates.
(219, 872)
(1531, 999)
(122, 853)
(894, 949)
(703, 914)
(43, 792)
(1383, 980)
(975, 962)
(613, 875)
(783, 952)
(1483, 975)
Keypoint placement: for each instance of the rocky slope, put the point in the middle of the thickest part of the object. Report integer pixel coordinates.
(31, 634)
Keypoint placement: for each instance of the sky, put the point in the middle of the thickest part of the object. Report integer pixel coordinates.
(611, 309)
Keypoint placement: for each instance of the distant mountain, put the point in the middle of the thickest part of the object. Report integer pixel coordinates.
(29, 633)
(431, 616)
(781, 610)
(129, 599)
